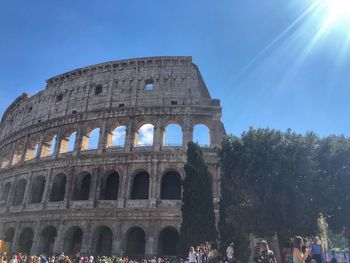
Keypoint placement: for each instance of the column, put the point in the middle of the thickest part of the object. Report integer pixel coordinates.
(28, 189)
(57, 148)
(78, 141)
(14, 246)
(102, 140)
(58, 245)
(44, 200)
(157, 134)
(36, 239)
(87, 235)
(40, 146)
(23, 156)
(129, 136)
(153, 184)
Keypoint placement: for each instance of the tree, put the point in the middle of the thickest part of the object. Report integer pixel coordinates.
(267, 184)
(198, 219)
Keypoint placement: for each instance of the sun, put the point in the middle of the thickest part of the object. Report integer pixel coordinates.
(338, 12)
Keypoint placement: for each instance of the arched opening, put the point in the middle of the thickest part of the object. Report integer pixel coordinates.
(82, 186)
(48, 145)
(38, 187)
(32, 149)
(172, 135)
(58, 189)
(47, 240)
(103, 241)
(9, 235)
(6, 156)
(144, 135)
(20, 188)
(5, 192)
(171, 186)
(117, 137)
(25, 241)
(168, 240)
(110, 187)
(201, 135)
(140, 186)
(92, 139)
(68, 141)
(72, 240)
(18, 151)
(135, 243)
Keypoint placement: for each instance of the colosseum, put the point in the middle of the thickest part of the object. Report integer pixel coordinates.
(118, 193)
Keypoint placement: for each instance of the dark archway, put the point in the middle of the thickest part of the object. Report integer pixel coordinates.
(110, 187)
(136, 242)
(47, 240)
(9, 234)
(140, 186)
(171, 186)
(168, 240)
(72, 240)
(20, 188)
(5, 192)
(58, 188)
(25, 240)
(103, 238)
(38, 187)
(82, 186)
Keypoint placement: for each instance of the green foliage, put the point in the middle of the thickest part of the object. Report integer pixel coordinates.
(198, 219)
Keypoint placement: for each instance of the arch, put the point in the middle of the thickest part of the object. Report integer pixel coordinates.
(32, 148)
(58, 188)
(103, 238)
(18, 151)
(201, 135)
(48, 145)
(136, 242)
(25, 240)
(168, 241)
(116, 137)
(38, 187)
(20, 187)
(171, 186)
(5, 192)
(82, 186)
(110, 187)
(72, 240)
(144, 135)
(9, 235)
(47, 239)
(172, 135)
(140, 186)
(91, 140)
(68, 141)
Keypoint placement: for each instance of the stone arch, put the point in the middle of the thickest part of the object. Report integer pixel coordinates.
(171, 186)
(32, 147)
(144, 136)
(5, 192)
(38, 187)
(116, 137)
(110, 186)
(25, 240)
(9, 235)
(6, 156)
(135, 242)
(68, 141)
(202, 135)
(172, 135)
(18, 151)
(90, 137)
(72, 240)
(20, 187)
(58, 188)
(82, 186)
(140, 185)
(47, 239)
(48, 144)
(102, 241)
(168, 241)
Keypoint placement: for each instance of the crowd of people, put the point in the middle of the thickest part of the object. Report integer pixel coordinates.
(299, 252)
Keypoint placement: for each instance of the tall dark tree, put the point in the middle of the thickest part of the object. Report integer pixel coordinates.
(198, 219)
(267, 182)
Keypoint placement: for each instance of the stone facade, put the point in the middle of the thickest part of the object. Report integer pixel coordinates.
(59, 195)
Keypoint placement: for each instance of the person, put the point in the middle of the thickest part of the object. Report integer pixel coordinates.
(298, 255)
(192, 255)
(230, 253)
(213, 253)
(265, 255)
(316, 251)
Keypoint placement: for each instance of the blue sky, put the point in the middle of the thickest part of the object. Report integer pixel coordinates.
(271, 62)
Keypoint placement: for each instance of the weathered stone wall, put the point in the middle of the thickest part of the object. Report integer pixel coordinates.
(158, 91)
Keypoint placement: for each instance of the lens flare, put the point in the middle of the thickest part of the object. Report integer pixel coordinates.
(338, 12)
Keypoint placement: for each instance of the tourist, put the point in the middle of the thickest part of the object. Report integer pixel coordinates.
(298, 255)
(192, 256)
(316, 251)
(213, 253)
(230, 253)
(265, 255)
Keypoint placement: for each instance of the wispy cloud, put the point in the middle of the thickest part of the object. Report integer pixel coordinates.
(118, 138)
(146, 135)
